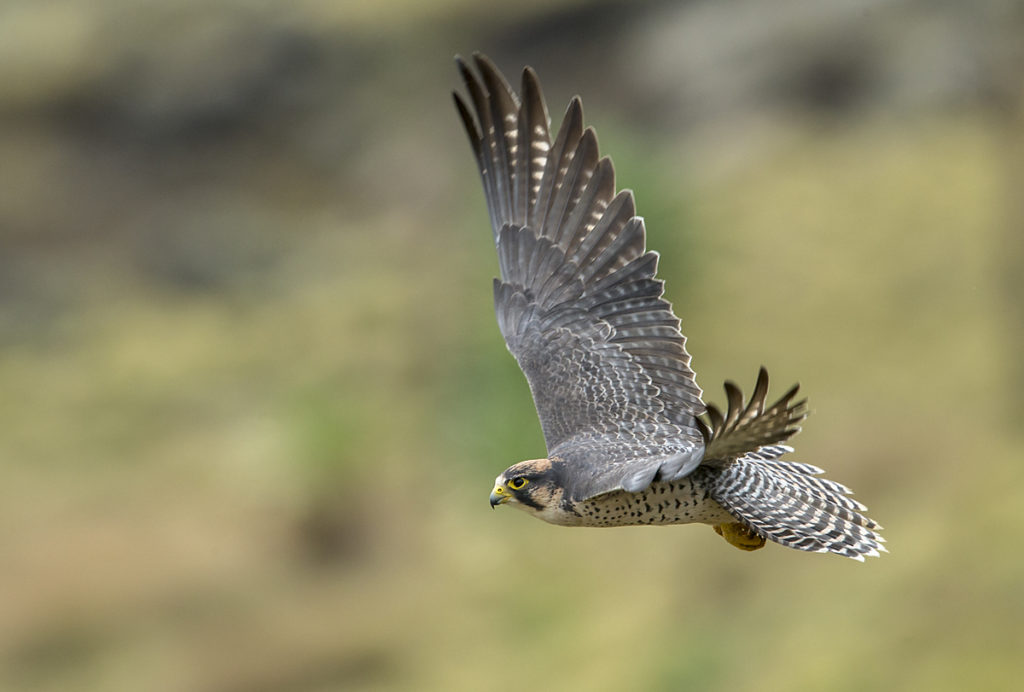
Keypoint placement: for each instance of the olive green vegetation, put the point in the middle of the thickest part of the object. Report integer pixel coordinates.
(254, 396)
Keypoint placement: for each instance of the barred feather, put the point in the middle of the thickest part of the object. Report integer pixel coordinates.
(784, 501)
(787, 503)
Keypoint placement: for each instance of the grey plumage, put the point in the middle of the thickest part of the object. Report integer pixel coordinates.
(577, 301)
(582, 311)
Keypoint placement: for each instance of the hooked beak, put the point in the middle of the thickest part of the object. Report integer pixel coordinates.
(499, 496)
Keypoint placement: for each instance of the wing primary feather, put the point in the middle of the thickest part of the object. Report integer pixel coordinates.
(577, 174)
(746, 428)
(558, 161)
(503, 109)
(469, 122)
(628, 244)
(521, 181)
(618, 213)
(734, 397)
(535, 142)
(755, 406)
(592, 202)
(483, 113)
(475, 141)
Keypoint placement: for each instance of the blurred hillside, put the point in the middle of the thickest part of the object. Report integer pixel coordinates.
(254, 396)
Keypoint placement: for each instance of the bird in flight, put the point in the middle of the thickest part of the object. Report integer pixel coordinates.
(629, 439)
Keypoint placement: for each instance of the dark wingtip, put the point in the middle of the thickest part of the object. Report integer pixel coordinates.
(800, 410)
(468, 121)
(486, 66)
(465, 71)
(762, 379)
(533, 97)
(574, 110)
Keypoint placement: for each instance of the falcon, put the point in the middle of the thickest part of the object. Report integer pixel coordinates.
(629, 439)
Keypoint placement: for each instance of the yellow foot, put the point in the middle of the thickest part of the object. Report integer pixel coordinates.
(740, 536)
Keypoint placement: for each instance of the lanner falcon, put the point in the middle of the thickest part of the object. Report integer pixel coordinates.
(629, 440)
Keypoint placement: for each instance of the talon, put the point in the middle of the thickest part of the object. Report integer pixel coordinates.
(740, 536)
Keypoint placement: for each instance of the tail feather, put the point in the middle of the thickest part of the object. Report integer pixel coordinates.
(786, 502)
(809, 482)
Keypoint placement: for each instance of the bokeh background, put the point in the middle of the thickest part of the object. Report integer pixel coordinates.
(252, 395)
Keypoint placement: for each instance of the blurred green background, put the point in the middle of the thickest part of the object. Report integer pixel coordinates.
(254, 397)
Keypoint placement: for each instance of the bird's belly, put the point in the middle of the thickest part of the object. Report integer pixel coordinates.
(685, 501)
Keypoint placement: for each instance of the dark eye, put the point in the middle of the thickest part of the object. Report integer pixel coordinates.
(518, 483)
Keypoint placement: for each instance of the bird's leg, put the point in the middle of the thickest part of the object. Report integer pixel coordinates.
(739, 535)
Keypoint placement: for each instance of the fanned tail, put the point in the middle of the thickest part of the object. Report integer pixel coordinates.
(789, 503)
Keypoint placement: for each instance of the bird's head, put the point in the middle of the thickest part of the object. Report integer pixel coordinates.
(532, 486)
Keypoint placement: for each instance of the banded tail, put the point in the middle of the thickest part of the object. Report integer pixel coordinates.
(789, 503)
(783, 501)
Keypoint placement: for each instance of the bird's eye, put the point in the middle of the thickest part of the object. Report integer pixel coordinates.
(517, 483)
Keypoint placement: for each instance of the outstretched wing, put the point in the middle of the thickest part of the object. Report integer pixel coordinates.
(750, 426)
(578, 302)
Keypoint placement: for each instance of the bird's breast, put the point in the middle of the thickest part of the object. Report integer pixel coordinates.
(685, 501)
